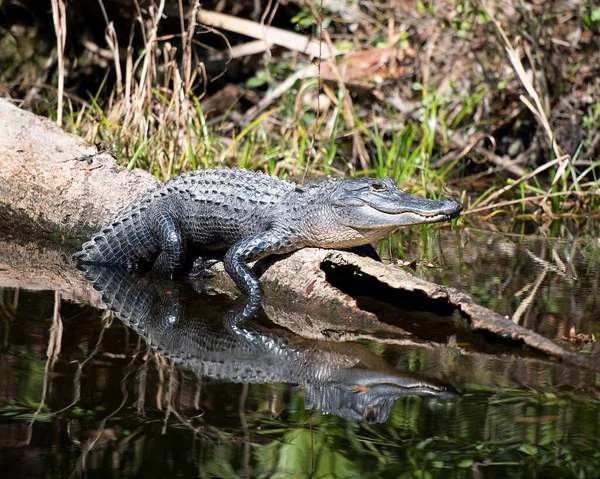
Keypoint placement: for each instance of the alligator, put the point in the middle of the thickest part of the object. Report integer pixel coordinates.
(194, 331)
(191, 221)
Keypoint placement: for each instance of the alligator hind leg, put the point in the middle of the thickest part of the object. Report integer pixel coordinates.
(171, 242)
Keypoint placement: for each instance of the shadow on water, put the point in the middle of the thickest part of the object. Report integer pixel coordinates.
(177, 389)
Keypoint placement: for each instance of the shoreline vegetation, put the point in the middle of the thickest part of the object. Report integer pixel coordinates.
(493, 102)
(497, 102)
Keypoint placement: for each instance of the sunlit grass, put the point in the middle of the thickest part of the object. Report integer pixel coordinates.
(148, 111)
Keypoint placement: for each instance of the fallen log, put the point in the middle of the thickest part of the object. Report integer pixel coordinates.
(34, 266)
(57, 188)
(55, 183)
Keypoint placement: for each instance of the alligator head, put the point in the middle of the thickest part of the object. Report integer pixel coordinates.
(370, 203)
(363, 210)
(369, 395)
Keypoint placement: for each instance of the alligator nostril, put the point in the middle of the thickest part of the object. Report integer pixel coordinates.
(454, 204)
(452, 207)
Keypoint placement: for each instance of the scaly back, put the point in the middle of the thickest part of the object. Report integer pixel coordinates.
(204, 198)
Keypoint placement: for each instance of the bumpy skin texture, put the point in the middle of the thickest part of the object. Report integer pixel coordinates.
(246, 215)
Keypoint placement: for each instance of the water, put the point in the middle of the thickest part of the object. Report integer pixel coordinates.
(557, 278)
(82, 393)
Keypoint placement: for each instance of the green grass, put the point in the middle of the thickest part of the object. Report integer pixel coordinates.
(156, 122)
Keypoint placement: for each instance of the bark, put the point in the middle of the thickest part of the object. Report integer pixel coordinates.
(53, 183)
(58, 188)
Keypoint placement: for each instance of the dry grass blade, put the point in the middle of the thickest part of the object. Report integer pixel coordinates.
(533, 103)
(539, 198)
(113, 44)
(358, 145)
(144, 93)
(153, 99)
(538, 109)
(187, 38)
(59, 17)
(528, 176)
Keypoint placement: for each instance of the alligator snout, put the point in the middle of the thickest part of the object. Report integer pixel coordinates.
(451, 207)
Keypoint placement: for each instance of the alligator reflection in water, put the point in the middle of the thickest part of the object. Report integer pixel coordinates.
(197, 331)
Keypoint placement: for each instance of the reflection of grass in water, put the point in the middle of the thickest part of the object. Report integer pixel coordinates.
(301, 452)
(31, 382)
(431, 245)
(499, 268)
(25, 416)
(29, 373)
(9, 301)
(427, 237)
(497, 431)
(8, 305)
(591, 251)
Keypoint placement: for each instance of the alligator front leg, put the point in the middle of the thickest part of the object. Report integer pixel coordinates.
(201, 267)
(252, 249)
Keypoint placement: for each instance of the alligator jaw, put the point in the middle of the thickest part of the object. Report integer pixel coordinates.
(430, 211)
(414, 211)
(370, 395)
(449, 211)
(396, 384)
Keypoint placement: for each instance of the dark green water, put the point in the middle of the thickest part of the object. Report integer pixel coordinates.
(81, 394)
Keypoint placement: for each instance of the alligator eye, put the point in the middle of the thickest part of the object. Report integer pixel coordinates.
(377, 187)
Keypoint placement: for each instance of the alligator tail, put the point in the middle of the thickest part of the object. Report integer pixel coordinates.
(126, 242)
(123, 291)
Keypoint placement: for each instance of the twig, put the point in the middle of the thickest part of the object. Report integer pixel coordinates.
(310, 71)
(242, 50)
(268, 34)
(505, 164)
(501, 191)
(529, 198)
